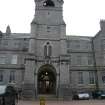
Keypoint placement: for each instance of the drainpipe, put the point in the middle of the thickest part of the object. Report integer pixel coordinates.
(95, 66)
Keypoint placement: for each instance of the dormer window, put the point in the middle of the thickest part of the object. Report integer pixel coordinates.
(48, 3)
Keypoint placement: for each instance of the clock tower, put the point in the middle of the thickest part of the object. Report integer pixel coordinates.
(46, 47)
(48, 20)
(48, 15)
(48, 12)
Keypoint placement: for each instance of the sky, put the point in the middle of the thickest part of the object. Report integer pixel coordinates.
(82, 17)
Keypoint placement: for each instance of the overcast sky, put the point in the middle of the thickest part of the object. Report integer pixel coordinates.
(82, 17)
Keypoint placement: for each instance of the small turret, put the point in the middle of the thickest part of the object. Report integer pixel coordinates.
(8, 30)
(102, 24)
(1, 34)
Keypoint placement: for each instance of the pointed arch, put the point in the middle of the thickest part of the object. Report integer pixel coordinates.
(47, 50)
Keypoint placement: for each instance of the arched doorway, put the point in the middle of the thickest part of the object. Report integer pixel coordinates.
(47, 80)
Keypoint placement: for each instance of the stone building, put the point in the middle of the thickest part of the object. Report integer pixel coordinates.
(46, 61)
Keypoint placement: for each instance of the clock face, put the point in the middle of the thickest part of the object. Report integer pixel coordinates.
(44, 4)
(48, 3)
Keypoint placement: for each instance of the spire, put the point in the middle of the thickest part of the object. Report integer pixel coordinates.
(8, 30)
(1, 34)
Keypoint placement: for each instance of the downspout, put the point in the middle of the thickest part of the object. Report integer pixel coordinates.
(95, 66)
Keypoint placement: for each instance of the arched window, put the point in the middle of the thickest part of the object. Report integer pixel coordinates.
(47, 50)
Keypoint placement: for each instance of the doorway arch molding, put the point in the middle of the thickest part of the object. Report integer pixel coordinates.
(47, 66)
(46, 79)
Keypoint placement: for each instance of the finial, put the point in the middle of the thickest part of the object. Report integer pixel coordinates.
(1, 34)
(8, 30)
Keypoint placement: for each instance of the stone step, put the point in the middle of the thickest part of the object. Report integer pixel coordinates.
(48, 97)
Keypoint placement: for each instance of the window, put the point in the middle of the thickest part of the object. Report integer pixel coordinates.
(3, 59)
(103, 44)
(88, 45)
(90, 60)
(80, 77)
(48, 28)
(91, 78)
(77, 44)
(1, 75)
(103, 77)
(14, 59)
(70, 77)
(68, 51)
(22, 76)
(25, 44)
(12, 76)
(5, 43)
(79, 60)
(17, 43)
(68, 44)
(7, 59)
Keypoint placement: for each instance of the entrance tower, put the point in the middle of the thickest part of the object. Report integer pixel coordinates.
(47, 50)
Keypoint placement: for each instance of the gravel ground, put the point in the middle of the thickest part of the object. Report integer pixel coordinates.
(81, 102)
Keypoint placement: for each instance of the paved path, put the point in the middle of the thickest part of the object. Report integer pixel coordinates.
(81, 102)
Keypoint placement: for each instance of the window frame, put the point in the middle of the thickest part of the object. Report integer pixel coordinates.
(12, 76)
(80, 78)
(91, 77)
